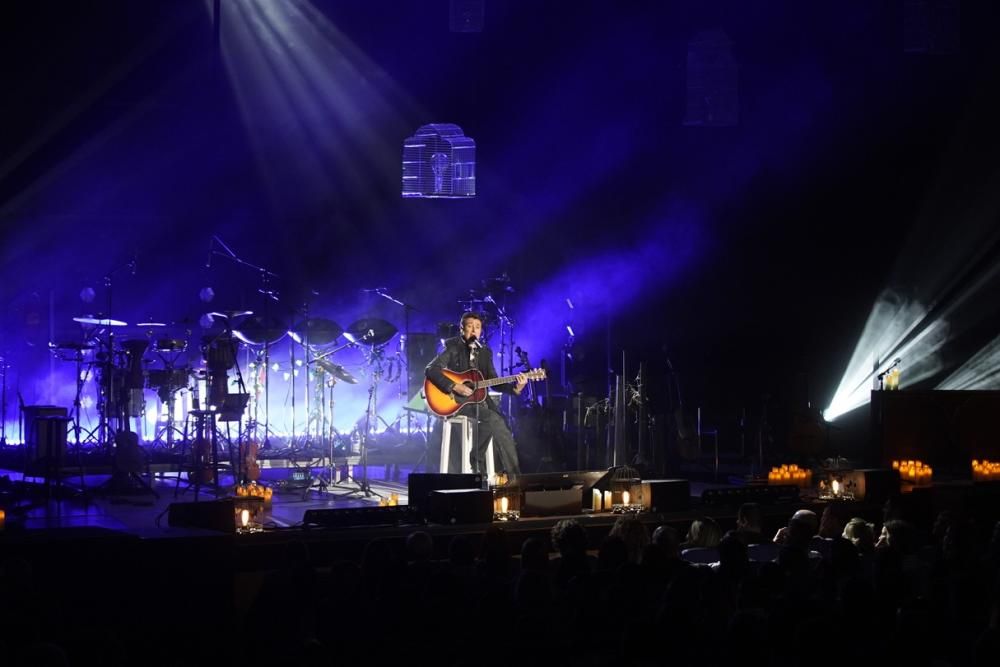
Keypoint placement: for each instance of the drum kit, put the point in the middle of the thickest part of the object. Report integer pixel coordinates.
(125, 361)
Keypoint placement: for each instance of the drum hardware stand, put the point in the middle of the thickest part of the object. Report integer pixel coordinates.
(265, 276)
(168, 395)
(319, 481)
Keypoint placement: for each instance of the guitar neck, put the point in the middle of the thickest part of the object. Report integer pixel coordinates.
(495, 381)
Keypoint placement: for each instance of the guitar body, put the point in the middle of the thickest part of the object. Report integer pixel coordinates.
(444, 404)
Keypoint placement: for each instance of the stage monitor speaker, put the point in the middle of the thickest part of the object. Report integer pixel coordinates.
(565, 492)
(47, 426)
(763, 495)
(666, 495)
(454, 506)
(874, 485)
(217, 515)
(547, 481)
(420, 485)
(553, 502)
(352, 517)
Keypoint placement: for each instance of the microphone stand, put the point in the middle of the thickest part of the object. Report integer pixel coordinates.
(407, 309)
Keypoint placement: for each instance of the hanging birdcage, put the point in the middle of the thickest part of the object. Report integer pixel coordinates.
(626, 490)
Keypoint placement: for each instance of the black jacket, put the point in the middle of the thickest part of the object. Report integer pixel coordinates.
(455, 357)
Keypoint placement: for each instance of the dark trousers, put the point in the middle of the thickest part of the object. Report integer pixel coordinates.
(492, 425)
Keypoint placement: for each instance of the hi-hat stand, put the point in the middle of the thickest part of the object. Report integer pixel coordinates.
(370, 422)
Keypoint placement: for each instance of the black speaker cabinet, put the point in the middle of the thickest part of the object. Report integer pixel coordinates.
(211, 515)
(420, 485)
(47, 427)
(452, 506)
(666, 495)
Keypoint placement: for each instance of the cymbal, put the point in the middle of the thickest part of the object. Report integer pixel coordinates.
(151, 324)
(370, 331)
(261, 330)
(231, 315)
(100, 322)
(316, 331)
(70, 345)
(336, 370)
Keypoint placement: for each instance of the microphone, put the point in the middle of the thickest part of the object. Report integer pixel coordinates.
(474, 343)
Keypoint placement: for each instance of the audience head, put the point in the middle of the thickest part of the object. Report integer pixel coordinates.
(831, 523)
(419, 547)
(898, 534)
(808, 519)
(861, 534)
(633, 534)
(534, 555)
(667, 539)
(569, 538)
(732, 553)
(704, 532)
(748, 518)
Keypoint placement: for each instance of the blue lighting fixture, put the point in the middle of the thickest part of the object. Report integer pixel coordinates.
(439, 162)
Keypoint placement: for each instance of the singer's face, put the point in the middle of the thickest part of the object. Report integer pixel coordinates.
(472, 327)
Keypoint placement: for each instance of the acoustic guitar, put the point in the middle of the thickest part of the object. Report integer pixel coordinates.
(446, 404)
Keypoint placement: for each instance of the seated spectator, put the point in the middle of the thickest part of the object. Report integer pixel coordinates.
(634, 534)
(748, 524)
(806, 520)
(665, 538)
(703, 533)
(861, 534)
(569, 538)
(733, 561)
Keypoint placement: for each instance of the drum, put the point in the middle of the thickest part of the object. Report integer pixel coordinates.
(134, 349)
(171, 345)
(219, 352)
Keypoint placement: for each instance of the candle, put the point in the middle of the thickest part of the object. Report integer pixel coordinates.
(3, 519)
(244, 518)
(625, 497)
(596, 502)
(504, 504)
(607, 501)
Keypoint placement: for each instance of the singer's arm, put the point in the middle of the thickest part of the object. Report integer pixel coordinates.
(447, 359)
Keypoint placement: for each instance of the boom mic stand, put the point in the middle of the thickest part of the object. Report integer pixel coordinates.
(407, 309)
(371, 419)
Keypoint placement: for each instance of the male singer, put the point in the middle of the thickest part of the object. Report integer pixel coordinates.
(460, 354)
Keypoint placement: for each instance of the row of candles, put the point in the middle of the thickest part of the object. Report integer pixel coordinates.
(603, 502)
(914, 471)
(392, 500)
(790, 473)
(254, 490)
(983, 471)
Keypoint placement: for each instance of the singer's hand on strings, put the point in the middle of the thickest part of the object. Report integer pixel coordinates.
(462, 389)
(522, 381)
